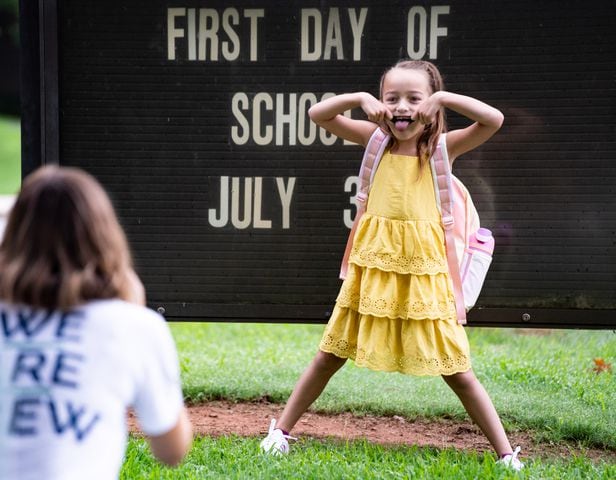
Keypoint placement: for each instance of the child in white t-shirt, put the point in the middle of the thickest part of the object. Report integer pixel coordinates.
(77, 346)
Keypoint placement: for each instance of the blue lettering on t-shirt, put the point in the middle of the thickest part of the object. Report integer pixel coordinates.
(70, 321)
(23, 415)
(64, 417)
(40, 361)
(72, 420)
(29, 362)
(29, 322)
(64, 368)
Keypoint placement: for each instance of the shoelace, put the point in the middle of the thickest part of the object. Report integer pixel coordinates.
(514, 455)
(512, 459)
(273, 427)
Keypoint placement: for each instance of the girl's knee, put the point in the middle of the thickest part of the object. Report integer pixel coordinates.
(328, 361)
(461, 381)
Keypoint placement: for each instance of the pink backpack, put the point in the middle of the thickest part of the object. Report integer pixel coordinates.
(464, 239)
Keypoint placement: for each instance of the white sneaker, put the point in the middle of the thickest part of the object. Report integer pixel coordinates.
(276, 441)
(512, 461)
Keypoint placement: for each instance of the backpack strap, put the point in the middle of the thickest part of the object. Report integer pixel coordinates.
(372, 156)
(441, 174)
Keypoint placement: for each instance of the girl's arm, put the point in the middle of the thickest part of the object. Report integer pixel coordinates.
(487, 120)
(171, 447)
(329, 115)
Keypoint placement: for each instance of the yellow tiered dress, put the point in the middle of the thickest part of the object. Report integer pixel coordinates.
(395, 310)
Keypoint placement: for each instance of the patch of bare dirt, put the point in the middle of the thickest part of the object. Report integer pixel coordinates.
(252, 419)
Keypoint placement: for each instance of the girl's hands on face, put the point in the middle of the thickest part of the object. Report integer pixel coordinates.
(375, 110)
(426, 111)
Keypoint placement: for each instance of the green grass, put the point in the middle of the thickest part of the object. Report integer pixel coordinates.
(238, 458)
(542, 383)
(10, 155)
(539, 383)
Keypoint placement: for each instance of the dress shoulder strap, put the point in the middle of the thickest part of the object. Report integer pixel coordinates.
(370, 162)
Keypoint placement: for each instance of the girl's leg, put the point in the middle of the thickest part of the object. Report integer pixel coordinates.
(477, 403)
(308, 388)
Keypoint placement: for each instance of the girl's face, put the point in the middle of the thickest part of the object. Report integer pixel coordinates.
(403, 91)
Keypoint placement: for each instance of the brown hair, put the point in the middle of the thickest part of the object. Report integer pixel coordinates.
(63, 244)
(428, 140)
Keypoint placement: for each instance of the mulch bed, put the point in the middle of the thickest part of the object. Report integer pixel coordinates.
(252, 419)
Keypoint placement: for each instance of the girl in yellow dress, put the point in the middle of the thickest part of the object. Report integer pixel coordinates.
(396, 310)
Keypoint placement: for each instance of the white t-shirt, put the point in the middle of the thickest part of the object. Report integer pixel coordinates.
(66, 381)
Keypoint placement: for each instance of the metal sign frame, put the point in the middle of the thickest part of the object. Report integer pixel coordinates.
(41, 138)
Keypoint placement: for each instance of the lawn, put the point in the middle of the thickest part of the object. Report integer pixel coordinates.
(238, 458)
(10, 155)
(541, 382)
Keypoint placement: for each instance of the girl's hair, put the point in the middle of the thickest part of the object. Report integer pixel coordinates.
(428, 140)
(63, 245)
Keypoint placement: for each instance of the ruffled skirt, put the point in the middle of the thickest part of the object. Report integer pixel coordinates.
(395, 311)
(432, 347)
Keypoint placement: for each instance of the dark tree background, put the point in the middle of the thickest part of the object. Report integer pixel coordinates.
(9, 57)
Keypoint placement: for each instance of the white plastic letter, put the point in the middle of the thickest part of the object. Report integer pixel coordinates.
(254, 14)
(266, 138)
(435, 30)
(349, 184)
(333, 36)
(258, 222)
(222, 220)
(286, 194)
(172, 31)
(308, 55)
(230, 49)
(235, 203)
(357, 25)
(289, 118)
(416, 14)
(306, 100)
(192, 34)
(208, 33)
(239, 102)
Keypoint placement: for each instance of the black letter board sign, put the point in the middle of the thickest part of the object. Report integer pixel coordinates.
(193, 114)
